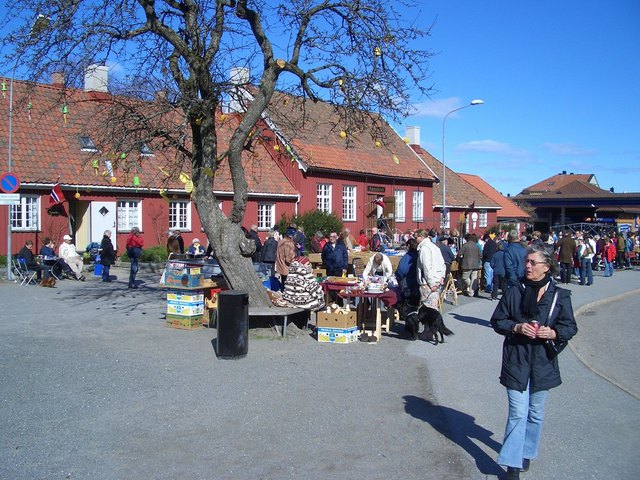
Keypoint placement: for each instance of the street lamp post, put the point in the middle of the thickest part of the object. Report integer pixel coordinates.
(41, 22)
(444, 167)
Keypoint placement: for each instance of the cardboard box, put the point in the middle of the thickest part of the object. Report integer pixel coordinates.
(184, 322)
(181, 275)
(185, 295)
(185, 308)
(337, 320)
(337, 335)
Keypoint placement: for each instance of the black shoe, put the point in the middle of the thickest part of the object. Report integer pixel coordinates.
(82, 278)
(525, 465)
(513, 473)
(133, 286)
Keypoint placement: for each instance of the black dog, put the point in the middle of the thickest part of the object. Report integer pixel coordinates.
(429, 317)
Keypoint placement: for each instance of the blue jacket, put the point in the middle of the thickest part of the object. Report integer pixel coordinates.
(514, 256)
(497, 263)
(407, 271)
(335, 259)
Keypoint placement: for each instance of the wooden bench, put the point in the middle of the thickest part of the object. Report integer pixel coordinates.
(276, 312)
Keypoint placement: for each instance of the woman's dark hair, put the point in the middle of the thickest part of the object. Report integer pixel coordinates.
(412, 244)
(549, 258)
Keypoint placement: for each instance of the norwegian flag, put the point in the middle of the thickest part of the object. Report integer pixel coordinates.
(56, 196)
(379, 201)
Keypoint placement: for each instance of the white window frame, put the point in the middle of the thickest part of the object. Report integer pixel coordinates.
(25, 217)
(400, 213)
(323, 195)
(182, 224)
(125, 220)
(349, 196)
(417, 214)
(482, 221)
(266, 215)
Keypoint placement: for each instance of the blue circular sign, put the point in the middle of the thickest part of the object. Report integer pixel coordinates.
(9, 182)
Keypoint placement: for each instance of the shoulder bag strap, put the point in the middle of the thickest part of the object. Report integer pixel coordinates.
(553, 305)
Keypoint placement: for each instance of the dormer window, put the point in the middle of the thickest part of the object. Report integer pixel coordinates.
(146, 151)
(87, 145)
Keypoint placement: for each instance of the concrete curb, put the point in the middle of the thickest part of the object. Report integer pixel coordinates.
(580, 311)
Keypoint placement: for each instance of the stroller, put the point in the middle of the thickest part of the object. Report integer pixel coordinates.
(93, 249)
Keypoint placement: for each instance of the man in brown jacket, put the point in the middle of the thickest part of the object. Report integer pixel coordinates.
(567, 246)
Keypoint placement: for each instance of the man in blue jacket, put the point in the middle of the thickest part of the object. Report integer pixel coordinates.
(514, 256)
(335, 256)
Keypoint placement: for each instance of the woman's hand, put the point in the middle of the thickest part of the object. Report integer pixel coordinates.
(525, 329)
(546, 333)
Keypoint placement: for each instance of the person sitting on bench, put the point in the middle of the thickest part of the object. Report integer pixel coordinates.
(50, 258)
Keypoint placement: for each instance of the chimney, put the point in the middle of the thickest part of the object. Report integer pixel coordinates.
(57, 79)
(96, 78)
(564, 172)
(238, 76)
(413, 134)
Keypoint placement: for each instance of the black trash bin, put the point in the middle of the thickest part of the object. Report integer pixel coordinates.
(233, 324)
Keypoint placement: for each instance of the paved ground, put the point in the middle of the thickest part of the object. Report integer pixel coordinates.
(95, 387)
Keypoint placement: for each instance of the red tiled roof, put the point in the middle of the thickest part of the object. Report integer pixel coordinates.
(46, 149)
(459, 194)
(558, 181)
(314, 130)
(508, 210)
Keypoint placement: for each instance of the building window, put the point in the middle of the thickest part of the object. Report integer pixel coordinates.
(323, 194)
(400, 210)
(129, 215)
(266, 214)
(349, 203)
(145, 151)
(483, 219)
(86, 144)
(25, 215)
(180, 215)
(418, 207)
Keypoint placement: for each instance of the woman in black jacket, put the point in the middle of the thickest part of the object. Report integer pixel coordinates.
(107, 255)
(536, 319)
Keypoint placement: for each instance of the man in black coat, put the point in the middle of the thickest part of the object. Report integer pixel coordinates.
(26, 254)
(488, 251)
(253, 235)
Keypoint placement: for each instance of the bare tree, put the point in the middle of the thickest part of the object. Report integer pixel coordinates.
(360, 56)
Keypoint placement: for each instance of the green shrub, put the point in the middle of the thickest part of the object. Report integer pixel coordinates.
(155, 254)
(312, 222)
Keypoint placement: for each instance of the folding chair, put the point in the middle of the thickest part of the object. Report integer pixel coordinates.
(26, 276)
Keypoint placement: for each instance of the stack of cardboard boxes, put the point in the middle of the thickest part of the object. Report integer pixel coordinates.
(185, 295)
(337, 327)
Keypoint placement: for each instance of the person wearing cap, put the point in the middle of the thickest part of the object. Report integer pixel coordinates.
(67, 251)
(196, 250)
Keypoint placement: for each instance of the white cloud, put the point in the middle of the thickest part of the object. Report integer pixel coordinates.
(569, 149)
(436, 108)
(492, 146)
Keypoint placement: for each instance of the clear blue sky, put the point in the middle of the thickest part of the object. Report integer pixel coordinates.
(561, 85)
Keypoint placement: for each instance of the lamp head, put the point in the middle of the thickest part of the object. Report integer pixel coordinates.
(477, 101)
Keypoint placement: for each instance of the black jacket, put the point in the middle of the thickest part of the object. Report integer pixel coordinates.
(107, 253)
(528, 360)
(269, 250)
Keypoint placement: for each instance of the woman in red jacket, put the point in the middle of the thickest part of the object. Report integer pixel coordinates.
(134, 252)
(608, 256)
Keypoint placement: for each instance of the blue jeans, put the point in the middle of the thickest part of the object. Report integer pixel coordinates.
(586, 271)
(488, 276)
(133, 272)
(524, 426)
(105, 272)
(608, 268)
